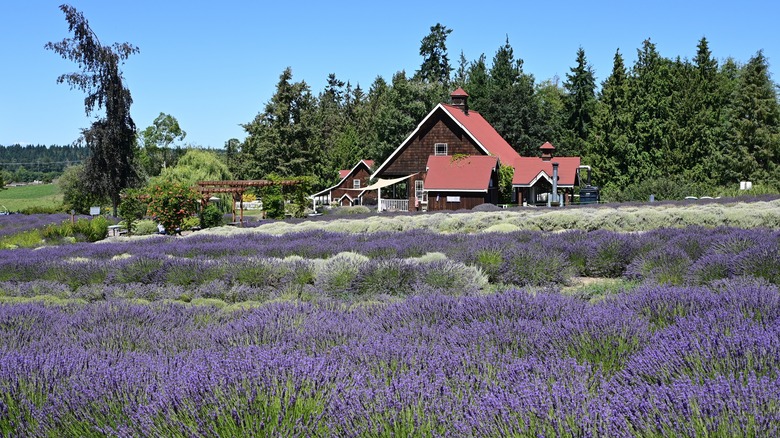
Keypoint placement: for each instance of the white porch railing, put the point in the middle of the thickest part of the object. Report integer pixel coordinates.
(395, 205)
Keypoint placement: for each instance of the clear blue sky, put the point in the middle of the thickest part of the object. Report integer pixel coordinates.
(214, 64)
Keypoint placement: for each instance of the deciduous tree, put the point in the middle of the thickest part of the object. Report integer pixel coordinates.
(156, 140)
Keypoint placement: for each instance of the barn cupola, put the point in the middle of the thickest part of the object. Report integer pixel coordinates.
(547, 151)
(460, 99)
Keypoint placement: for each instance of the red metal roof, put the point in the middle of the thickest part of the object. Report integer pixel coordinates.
(345, 172)
(460, 92)
(484, 133)
(470, 173)
(527, 169)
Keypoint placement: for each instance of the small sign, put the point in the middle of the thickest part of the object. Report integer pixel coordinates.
(94, 211)
(453, 198)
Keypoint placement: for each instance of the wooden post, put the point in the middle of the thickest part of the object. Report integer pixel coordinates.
(233, 207)
(241, 207)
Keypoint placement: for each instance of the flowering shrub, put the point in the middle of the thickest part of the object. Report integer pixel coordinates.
(170, 203)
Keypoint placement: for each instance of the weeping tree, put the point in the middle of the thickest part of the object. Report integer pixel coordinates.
(111, 164)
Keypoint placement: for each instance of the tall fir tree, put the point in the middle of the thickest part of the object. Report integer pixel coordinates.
(580, 102)
(279, 140)
(436, 66)
(699, 101)
(477, 82)
(650, 102)
(755, 124)
(608, 145)
(510, 104)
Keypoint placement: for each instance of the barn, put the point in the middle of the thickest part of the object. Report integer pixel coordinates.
(455, 146)
(351, 188)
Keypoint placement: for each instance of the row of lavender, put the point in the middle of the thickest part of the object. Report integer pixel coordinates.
(19, 223)
(659, 361)
(256, 266)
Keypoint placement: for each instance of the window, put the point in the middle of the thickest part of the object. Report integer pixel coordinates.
(440, 149)
(355, 183)
(419, 191)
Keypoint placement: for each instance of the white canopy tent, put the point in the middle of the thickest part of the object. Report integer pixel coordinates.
(378, 185)
(381, 183)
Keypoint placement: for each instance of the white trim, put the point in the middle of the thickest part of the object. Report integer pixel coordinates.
(417, 129)
(538, 177)
(436, 149)
(347, 196)
(457, 190)
(330, 189)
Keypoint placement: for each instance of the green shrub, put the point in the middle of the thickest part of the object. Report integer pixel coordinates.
(490, 262)
(48, 209)
(336, 274)
(210, 217)
(133, 207)
(91, 230)
(27, 239)
(665, 188)
(145, 227)
(190, 223)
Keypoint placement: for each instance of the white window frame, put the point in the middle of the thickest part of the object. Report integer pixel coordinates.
(436, 149)
(355, 183)
(419, 190)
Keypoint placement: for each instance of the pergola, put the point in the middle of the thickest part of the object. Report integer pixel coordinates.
(237, 188)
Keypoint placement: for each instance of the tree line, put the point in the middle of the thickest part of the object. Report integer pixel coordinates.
(661, 123)
(27, 163)
(701, 123)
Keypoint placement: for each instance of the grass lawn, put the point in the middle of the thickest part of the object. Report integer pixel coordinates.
(40, 195)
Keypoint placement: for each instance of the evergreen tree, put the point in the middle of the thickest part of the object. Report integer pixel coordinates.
(402, 107)
(755, 124)
(698, 102)
(580, 102)
(461, 74)
(435, 67)
(608, 144)
(111, 165)
(552, 110)
(477, 78)
(279, 140)
(650, 103)
(509, 103)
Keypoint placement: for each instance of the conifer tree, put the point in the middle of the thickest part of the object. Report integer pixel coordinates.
(279, 140)
(755, 118)
(435, 67)
(580, 86)
(608, 144)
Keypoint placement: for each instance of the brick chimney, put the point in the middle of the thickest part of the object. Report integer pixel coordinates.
(547, 151)
(460, 99)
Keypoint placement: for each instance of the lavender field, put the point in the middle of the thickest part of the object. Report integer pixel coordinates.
(411, 333)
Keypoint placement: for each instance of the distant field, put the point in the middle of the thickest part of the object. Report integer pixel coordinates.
(41, 195)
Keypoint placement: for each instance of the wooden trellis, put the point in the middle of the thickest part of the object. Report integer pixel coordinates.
(237, 188)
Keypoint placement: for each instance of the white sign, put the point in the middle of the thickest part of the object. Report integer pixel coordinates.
(453, 198)
(94, 211)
